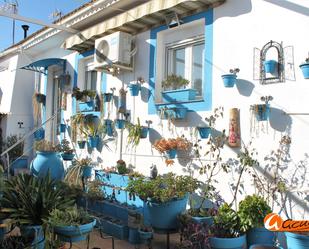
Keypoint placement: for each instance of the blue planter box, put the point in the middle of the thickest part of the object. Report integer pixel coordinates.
(270, 66)
(229, 80)
(86, 106)
(119, 231)
(181, 95)
(204, 132)
(305, 69)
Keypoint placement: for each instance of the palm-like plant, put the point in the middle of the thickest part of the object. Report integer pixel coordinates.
(28, 200)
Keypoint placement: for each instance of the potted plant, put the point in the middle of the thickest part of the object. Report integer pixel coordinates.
(85, 98)
(169, 146)
(270, 66)
(262, 111)
(136, 133)
(227, 230)
(93, 132)
(205, 131)
(229, 80)
(166, 195)
(120, 123)
(175, 89)
(70, 225)
(84, 167)
(109, 127)
(305, 68)
(27, 201)
(122, 167)
(47, 160)
(107, 97)
(135, 87)
(252, 211)
(66, 151)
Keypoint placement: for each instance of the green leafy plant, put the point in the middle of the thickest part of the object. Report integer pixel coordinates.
(29, 200)
(72, 216)
(122, 167)
(75, 171)
(252, 211)
(15, 242)
(94, 190)
(83, 95)
(135, 133)
(64, 147)
(227, 223)
(175, 82)
(45, 146)
(162, 188)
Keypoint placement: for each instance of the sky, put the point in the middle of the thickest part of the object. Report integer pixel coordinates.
(38, 9)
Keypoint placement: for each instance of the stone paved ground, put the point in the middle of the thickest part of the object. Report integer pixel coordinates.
(159, 242)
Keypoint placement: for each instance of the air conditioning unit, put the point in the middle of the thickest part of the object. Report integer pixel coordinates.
(113, 51)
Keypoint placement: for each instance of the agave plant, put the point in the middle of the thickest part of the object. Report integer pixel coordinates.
(28, 200)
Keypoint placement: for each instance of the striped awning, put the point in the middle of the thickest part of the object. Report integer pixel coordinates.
(138, 19)
(40, 66)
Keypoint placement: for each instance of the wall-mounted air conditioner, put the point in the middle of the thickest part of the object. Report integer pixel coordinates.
(113, 51)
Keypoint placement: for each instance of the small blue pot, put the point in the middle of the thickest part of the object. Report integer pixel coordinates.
(260, 236)
(270, 66)
(120, 123)
(305, 69)
(228, 243)
(81, 144)
(181, 95)
(38, 233)
(86, 106)
(164, 215)
(229, 80)
(67, 156)
(297, 241)
(262, 112)
(204, 132)
(270, 246)
(62, 128)
(145, 235)
(107, 97)
(74, 233)
(47, 162)
(133, 236)
(93, 142)
(200, 220)
(20, 163)
(39, 134)
(134, 89)
(87, 171)
(144, 132)
(171, 154)
(109, 128)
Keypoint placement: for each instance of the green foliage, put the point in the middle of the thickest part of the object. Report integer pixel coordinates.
(72, 216)
(29, 200)
(227, 223)
(17, 151)
(95, 191)
(122, 167)
(252, 211)
(65, 147)
(45, 146)
(135, 132)
(82, 95)
(15, 242)
(83, 162)
(162, 188)
(174, 82)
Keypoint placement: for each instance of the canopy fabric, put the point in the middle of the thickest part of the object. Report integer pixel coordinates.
(40, 66)
(138, 19)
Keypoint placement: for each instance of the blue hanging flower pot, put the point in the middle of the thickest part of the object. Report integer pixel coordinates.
(81, 144)
(270, 66)
(261, 112)
(229, 80)
(93, 141)
(171, 154)
(107, 97)
(120, 123)
(134, 89)
(39, 134)
(109, 127)
(204, 131)
(144, 132)
(305, 69)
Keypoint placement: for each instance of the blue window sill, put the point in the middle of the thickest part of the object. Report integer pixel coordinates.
(173, 104)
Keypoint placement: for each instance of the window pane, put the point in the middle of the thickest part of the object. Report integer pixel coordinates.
(90, 80)
(197, 67)
(93, 80)
(179, 62)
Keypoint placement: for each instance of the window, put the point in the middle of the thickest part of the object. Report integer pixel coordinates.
(87, 74)
(185, 59)
(90, 80)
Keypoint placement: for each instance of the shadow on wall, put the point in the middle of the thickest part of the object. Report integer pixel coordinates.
(145, 94)
(193, 120)
(154, 135)
(240, 7)
(279, 120)
(245, 87)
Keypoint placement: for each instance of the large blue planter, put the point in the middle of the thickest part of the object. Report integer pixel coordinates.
(120, 123)
(20, 163)
(204, 132)
(228, 243)
(39, 134)
(86, 106)
(144, 132)
(93, 142)
(107, 97)
(305, 69)
(67, 156)
(229, 80)
(47, 162)
(171, 154)
(181, 95)
(87, 171)
(34, 231)
(297, 241)
(270, 66)
(262, 112)
(74, 233)
(164, 215)
(260, 236)
(134, 89)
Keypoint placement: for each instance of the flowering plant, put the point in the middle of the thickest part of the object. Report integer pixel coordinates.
(162, 145)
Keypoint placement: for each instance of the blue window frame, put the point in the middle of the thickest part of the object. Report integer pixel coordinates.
(205, 103)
